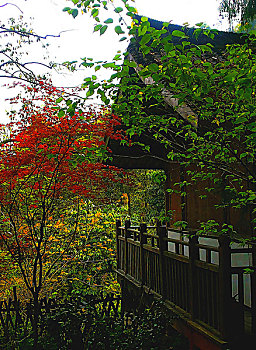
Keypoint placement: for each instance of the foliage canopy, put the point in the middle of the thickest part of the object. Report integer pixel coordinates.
(218, 86)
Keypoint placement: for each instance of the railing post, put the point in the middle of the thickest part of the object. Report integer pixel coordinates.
(118, 233)
(162, 234)
(225, 291)
(127, 225)
(253, 289)
(193, 283)
(143, 240)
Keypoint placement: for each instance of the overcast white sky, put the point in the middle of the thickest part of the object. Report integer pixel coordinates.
(47, 17)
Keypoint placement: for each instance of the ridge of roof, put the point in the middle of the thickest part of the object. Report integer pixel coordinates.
(219, 42)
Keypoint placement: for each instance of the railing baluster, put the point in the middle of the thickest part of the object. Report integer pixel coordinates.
(253, 289)
(162, 233)
(225, 285)
(143, 240)
(126, 235)
(193, 284)
(208, 255)
(118, 233)
(241, 288)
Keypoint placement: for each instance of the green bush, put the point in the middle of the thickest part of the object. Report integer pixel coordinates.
(81, 324)
(77, 325)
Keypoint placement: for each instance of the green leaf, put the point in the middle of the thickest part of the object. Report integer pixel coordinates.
(131, 9)
(97, 68)
(59, 99)
(144, 19)
(87, 3)
(179, 34)
(74, 13)
(131, 64)
(97, 27)
(252, 127)
(153, 67)
(209, 100)
(66, 9)
(145, 39)
(109, 20)
(146, 50)
(95, 12)
(243, 155)
(87, 64)
(109, 65)
(61, 113)
(118, 9)
(240, 120)
(117, 57)
(89, 93)
(123, 38)
(119, 30)
(103, 29)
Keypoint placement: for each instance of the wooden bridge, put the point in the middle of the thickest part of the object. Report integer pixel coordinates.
(208, 281)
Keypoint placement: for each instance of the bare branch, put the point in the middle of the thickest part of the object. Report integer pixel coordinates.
(4, 30)
(9, 3)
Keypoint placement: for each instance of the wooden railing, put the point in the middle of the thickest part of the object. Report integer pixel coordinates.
(17, 318)
(203, 277)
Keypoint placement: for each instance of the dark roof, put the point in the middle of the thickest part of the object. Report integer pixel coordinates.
(219, 42)
(134, 157)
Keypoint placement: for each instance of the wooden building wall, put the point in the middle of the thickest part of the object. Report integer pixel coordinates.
(199, 205)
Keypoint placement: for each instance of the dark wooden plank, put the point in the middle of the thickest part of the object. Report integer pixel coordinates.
(118, 233)
(176, 282)
(208, 255)
(126, 235)
(151, 249)
(206, 266)
(132, 242)
(175, 256)
(225, 291)
(241, 250)
(208, 247)
(143, 239)
(162, 233)
(193, 283)
(253, 289)
(241, 288)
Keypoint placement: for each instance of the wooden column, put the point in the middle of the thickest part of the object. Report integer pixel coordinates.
(118, 233)
(193, 283)
(225, 291)
(126, 235)
(143, 240)
(162, 233)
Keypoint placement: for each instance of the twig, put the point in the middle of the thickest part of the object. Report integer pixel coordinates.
(9, 3)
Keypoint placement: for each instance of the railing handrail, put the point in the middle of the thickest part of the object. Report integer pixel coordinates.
(152, 262)
(135, 229)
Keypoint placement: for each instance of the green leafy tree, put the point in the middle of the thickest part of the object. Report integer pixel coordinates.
(242, 10)
(217, 137)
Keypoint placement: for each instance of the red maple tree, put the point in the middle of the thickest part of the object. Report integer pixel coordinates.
(51, 160)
